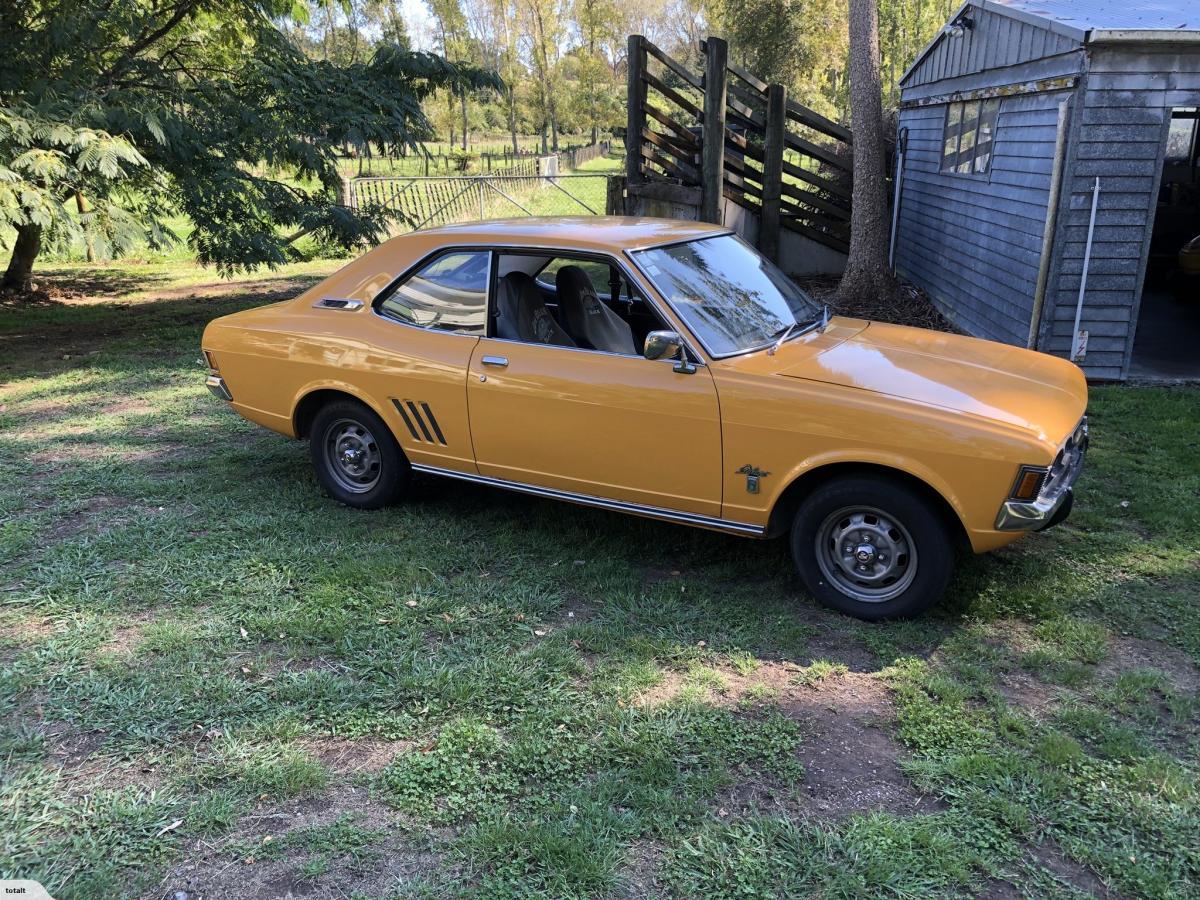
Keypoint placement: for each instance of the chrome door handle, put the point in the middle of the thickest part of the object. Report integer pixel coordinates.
(498, 361)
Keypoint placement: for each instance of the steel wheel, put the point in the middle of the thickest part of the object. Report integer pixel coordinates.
(352, 456)
(866, 553)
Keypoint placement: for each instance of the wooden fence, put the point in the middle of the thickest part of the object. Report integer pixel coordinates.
(763, 152)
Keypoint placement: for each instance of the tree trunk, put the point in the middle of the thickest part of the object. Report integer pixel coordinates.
(464, 118)
(81, 207)
(19, 275)
(512, 119)
(866, 268)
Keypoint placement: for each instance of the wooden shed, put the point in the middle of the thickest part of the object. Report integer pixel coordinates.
(1016, 122)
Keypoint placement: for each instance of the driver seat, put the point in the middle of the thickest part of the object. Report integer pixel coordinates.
(589, 321)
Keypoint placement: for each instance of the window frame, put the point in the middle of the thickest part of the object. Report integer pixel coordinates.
(412, 271)
(980, 106)
(598, 256)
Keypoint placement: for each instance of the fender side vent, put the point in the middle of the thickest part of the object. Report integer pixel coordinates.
(419, 419)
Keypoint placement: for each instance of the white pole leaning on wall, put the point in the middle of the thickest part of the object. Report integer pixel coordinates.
(901, 146)
(1079, 338)
(1043, 276)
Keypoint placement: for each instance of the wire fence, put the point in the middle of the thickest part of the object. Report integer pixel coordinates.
(421, 202)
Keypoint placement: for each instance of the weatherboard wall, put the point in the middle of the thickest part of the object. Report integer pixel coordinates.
(995, 41)
(1118, 134)
(973, 242)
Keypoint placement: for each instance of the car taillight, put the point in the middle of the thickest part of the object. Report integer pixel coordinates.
(212, 362)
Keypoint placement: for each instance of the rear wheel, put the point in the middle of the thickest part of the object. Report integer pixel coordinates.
(872, 547)
(355, 456)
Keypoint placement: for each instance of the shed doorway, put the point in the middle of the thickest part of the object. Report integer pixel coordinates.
(1167, 341)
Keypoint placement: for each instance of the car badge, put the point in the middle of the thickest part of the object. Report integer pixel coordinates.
(752, 476)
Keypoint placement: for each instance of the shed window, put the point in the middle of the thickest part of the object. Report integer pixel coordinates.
(969, 135)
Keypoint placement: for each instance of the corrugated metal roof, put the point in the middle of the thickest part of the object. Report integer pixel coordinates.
(1087, 15)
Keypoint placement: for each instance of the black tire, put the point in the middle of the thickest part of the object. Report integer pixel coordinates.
(911, 548)
(351, 426)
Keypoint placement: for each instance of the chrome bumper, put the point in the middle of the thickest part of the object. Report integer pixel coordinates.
(216, 384)
(1036, 515)
(1055, 501)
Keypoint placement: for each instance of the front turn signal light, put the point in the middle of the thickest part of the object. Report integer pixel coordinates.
(1029, 483)
(212, 363)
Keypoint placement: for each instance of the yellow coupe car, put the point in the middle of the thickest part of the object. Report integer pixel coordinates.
(665, 369)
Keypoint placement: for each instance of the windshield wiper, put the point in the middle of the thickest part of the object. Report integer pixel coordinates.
(820, 322)
(783, 336)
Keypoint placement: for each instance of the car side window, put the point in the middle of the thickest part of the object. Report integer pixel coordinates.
(447, 294)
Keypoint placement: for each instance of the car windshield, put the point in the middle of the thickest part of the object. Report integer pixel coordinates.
(732, 298)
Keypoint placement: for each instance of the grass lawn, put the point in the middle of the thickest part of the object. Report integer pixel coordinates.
(213, 679)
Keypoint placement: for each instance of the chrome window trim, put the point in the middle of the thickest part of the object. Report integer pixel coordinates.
(633, 259)
(655, 512)
(394, 285)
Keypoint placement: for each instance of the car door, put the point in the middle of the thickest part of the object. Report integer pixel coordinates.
(620, 427)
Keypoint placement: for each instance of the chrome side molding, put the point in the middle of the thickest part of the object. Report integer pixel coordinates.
(338, 303)
(637, 509)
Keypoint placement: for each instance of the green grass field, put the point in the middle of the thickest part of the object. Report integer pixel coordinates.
(213, 679)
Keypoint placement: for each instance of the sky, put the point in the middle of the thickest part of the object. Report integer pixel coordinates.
(420, 24)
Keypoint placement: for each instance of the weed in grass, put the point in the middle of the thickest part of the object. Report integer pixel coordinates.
(820, 670)
(253, 771)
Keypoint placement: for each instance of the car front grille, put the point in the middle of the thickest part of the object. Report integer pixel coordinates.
(1068, 462)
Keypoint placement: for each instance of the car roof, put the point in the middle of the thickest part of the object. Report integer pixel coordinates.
(603, 233)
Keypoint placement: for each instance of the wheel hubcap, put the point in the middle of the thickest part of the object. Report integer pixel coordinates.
(352, 456)
(866, 553)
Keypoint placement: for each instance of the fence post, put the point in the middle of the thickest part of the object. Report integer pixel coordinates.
(712, 160)
(772, 183)
(345, 193)
(614, 199)
(635, 121)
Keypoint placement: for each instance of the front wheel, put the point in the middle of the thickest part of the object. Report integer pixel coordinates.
(355, 456)
(872, 547)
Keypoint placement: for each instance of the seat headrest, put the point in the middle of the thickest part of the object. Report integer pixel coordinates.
(588, 320)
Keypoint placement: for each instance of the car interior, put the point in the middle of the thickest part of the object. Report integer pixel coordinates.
(567, 301)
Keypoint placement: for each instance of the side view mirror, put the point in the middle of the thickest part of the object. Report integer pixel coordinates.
(668, 345)
(662, 344)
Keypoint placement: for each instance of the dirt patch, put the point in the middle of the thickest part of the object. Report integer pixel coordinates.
(1050, 857)
(574, 611)
(102, 505)
(354, 757)
(132, 406)
(639, 876)
(124, 639)
(1129, 653)
(244, 865)
(832, 644)
(1025, 692)
(27, 631)
(850, 756)
(849, 753)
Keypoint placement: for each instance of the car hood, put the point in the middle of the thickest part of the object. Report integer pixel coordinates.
(1034, 391)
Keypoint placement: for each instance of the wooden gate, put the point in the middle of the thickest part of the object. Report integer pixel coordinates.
(763, 152)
